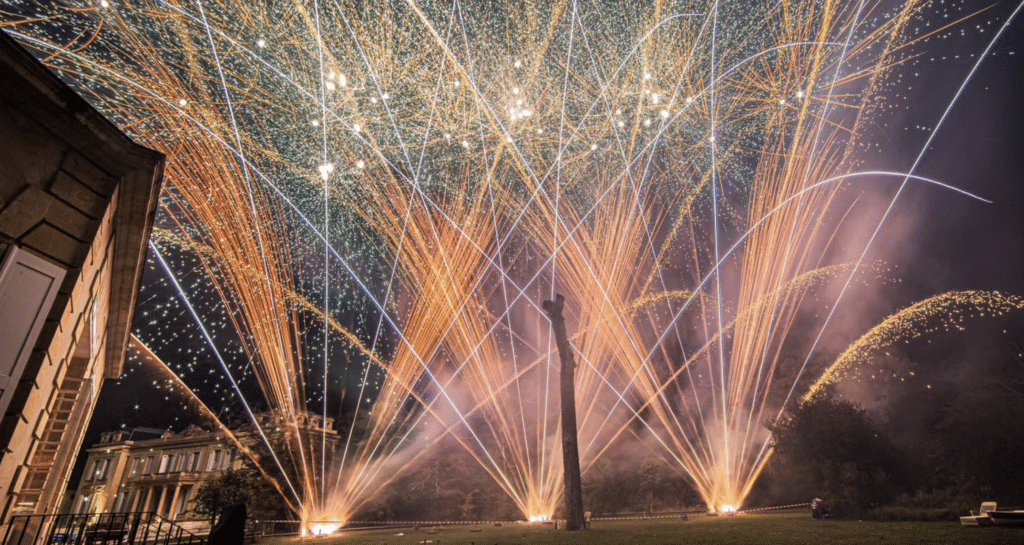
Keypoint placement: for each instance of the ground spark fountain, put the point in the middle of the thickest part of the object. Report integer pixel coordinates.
(383, 193)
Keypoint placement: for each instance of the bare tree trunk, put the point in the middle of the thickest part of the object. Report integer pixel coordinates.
(570, 448)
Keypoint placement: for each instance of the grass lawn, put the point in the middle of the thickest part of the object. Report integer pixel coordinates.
(760, 529)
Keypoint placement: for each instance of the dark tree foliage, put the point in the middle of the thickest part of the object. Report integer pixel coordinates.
(979, 447)
(443, 483)
(834, 450)
(626, 484)
(237, 486)
(277, 455)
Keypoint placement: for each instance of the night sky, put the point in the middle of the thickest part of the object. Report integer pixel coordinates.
(934, 241)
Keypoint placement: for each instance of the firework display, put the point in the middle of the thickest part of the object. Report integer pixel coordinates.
(366, 202)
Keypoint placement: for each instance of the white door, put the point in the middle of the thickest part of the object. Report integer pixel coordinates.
(28, 286)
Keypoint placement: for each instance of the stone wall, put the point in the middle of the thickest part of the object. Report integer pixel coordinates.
(78, 193)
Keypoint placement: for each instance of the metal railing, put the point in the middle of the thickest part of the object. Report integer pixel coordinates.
(98, 529)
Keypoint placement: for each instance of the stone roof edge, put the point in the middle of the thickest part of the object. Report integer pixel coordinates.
(138, 190)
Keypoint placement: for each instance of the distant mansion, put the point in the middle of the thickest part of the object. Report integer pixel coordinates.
(162, 471)
(152, 474)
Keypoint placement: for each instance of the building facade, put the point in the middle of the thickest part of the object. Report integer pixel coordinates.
(77, 202)
(159, 475)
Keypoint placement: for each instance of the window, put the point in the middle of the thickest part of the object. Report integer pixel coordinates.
(214, 464)
(183, 501)
(102, 467)
(163, 464)
(89, 469)
(149, 466)
(94, 337)
(195, 462)
(136, 467)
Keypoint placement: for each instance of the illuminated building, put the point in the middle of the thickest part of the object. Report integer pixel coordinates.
(77, 201)
(159, 475)
(128, 471)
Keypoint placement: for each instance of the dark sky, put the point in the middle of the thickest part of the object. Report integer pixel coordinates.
(959, 243)
(936, 241)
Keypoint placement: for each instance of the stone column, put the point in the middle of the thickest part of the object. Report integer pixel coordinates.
(136, 494)
(172, 509)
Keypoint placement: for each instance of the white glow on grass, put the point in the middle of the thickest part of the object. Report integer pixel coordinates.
(322, 528)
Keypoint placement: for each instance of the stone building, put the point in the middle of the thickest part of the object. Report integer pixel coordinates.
(77, 202)
(159, 475)
(125, 473)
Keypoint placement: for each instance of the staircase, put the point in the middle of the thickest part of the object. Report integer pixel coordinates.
(97, 529)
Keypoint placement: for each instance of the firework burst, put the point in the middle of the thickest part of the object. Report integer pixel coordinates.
(366, 203)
